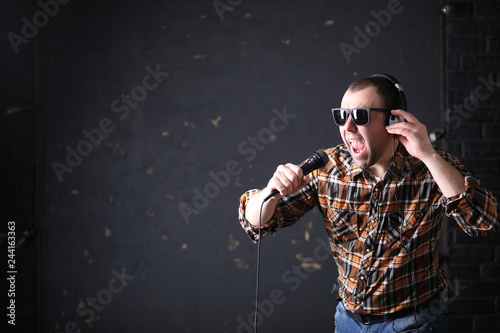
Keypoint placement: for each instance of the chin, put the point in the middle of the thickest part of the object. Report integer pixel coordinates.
(361, 163)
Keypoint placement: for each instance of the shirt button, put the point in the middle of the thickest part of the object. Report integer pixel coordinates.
(358, 302)
(367, 250)
(362, 277)
(376, 189)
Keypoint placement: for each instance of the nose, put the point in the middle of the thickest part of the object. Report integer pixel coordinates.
(350, 125)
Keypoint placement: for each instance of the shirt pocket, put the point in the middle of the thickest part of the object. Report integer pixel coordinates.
(403, 225)
(395, 225)
(343, 229)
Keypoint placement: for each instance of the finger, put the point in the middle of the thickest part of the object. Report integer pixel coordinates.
(305, 181)
(414, 132)
(294, 175)
(402, 139)
(406, 115)
(286, 178)
(400, 129)
(275, 184)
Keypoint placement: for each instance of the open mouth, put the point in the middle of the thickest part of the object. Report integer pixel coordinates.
(357, 146)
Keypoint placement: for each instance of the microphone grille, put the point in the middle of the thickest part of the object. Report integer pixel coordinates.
(320, 158)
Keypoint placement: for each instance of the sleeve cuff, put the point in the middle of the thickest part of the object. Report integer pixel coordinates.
(268, 228)
(462, 202)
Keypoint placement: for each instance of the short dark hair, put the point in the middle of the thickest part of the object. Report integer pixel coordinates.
(386, 89)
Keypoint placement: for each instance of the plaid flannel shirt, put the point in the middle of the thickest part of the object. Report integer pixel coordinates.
(384, 234)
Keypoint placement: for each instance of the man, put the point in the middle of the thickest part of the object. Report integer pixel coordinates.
(382, 195)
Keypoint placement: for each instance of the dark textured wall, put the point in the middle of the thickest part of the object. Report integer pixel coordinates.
(19, 246)
(473, 125)
(157, 198)
(155, 117)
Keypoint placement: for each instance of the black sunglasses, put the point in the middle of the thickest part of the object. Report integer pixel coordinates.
(360, 116)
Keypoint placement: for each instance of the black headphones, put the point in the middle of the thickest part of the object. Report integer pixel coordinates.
(390, 118)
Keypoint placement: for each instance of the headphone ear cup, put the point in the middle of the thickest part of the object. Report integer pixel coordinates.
(392, 119)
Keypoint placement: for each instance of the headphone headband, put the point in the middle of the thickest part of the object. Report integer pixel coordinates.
(396, 84)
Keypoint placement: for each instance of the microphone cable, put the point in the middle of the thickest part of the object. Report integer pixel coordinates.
(257, 272)
(316, 161)
(401, 226)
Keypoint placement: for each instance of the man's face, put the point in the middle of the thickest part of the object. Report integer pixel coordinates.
(370, 145)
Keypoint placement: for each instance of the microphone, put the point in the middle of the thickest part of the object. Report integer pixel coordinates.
(316, 161)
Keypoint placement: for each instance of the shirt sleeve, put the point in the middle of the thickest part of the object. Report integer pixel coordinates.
(475, 210)
(268, 228)
(289, 210)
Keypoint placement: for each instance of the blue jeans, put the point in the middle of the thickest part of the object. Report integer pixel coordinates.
(428, 320)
